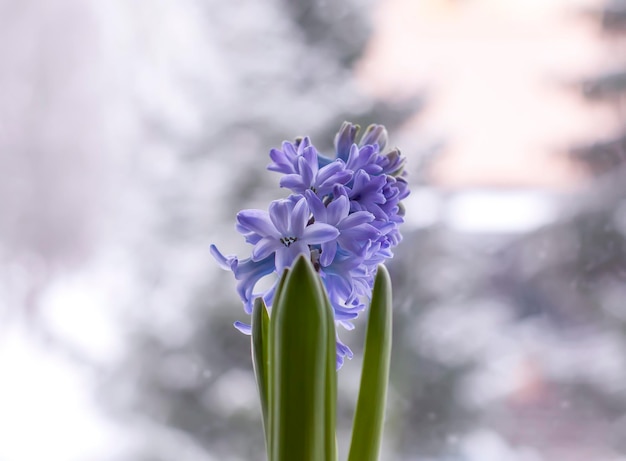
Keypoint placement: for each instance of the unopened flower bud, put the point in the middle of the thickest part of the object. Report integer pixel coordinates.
(395, 162)
(375, 134)
(344, 139)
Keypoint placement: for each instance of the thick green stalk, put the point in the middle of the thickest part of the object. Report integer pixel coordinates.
(298, 351)
(370, 409)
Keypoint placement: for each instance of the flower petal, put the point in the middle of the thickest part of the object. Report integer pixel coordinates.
(282, 162)
(257, 221)
(299, 218)
(329, 249)
(357, 218)
(344, 139)
(338, 209)
(330, 170)
(375, 134)
(243, 327)
(265, 247)
(228, 263)
(310, 155)
(315, 205)
(319, 233)
(279, 214)
(306, 172)
(293, 182)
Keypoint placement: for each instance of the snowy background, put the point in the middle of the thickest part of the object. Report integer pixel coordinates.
(132, 132)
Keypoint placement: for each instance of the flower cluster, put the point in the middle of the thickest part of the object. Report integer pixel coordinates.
(343, 213)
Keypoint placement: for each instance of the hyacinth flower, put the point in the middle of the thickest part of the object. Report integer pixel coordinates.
(323, 249)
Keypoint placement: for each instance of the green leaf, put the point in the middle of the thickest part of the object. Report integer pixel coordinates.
(261, 357)
(268, 433)
(260, 331)
(330, 443)
(298, 349)
(370, 409)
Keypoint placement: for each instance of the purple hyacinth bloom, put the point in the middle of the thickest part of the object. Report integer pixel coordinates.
(285, 160)
(375, 135)
(248, 272)
(343, 281)
(366, 194)
(392, 163)
(392, 192)
(284, 231)
(344, 140)
(355, 232)
(309, 176)
(305, 169)
(344, 214)
(343, 351)
(364, 158)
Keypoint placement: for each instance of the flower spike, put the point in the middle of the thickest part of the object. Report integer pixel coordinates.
(343, 215)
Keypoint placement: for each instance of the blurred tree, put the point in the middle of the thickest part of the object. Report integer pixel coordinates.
(556, 320)
(570, 276)
(614, 16)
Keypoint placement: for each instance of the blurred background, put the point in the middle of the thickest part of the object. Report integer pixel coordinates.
(132, 132)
